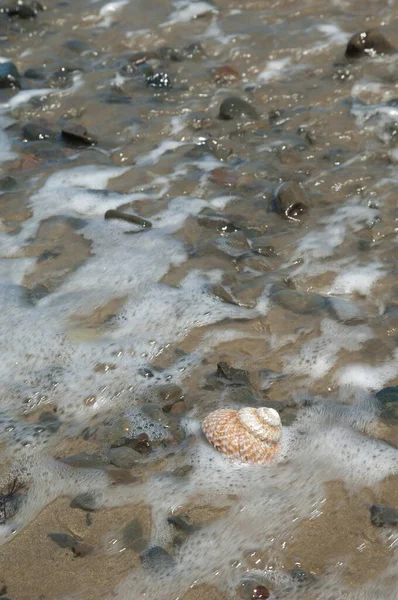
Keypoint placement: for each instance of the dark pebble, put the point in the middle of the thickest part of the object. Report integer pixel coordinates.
(159, 80)
(368, 43)
(383, 515)
(84, 459)
(157, 559)
(118, 214)
(63, 540)
(32, 132)
(301, 577)
(183, 523)
(133, 536)
(9, 75)
(217, 223)
(7, 183)
(302, 303)
(194, 50)
(168, 53)
(388, 403)
(85, 501)
(290, 201)
(235, 107)
(78, 46)
(23, 11)
(9, 505)
(123, 457)
(78, 135)
(231, 375)
(145, 372)
(140, 444)
(32, 73)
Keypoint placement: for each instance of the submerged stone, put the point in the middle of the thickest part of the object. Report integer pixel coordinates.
(123, 457)
(382, 516)
(133, 536)
(9, 75)
(78, 135)
(299, 302)
(388, 403)
(136, 220)
(290, 201)
(234, 106)
(368, 43)
(157, 559)
(63, 540)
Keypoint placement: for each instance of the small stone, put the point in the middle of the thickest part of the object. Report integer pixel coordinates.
(368, 43)
(35, 131)
(388, 403)
(123, 457)
(177, 409)
(9, 75)
(118, 214)
(226, 75)
(23, 11)
(78, 46)
(78, 135)
(84, 459)
(145, 372)
(159, 80)
(133, 536)
(82, 550)
(302, 303)
(234, 106)
(33, 73)
(157, 559)
(194, 50)
(141, 443)
(7, 183)
(3, 588)
(260, 592)
(9, 505)
(383, 515)
(301, 577)
(217, 223)
(183, 523)
(85, 501)
(223, 176)
(290, 201)
(63, 540)
(231, 375)
(262, 246)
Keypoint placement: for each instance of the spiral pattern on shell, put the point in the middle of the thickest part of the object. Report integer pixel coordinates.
(249, 434)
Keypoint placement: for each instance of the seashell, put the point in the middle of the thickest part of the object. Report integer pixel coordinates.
(249, 434)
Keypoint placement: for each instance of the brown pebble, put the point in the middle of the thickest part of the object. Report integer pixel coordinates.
(118, 214)
(260, 592)
(223, 176)
(368, 43)
(225, 75)
(78, 134)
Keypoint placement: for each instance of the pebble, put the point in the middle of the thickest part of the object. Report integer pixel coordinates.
(23, 11)
(35, 131)
(226, 75)
(368, 43)
(9, 75)
(85, 501)
(388, 403)
(63, 540)
(140, 443)
(252, 588)
(133, 536)
(156, 558)
(383, 515)
(183, 523)
(262, 246)
(159, 80)
(78, 135)
(301, 577)
(7, 183)
(33, 73)
(234, 106)
(9, 505)
(290, 201)
(118, 214)
(78, 46)
(85, 459)
(232, 375)
(123, 457)
(217, 223)
(302, 303)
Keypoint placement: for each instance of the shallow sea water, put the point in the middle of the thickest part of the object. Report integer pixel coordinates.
(111, 329)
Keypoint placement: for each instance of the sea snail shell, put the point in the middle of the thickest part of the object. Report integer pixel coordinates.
(249, 434)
